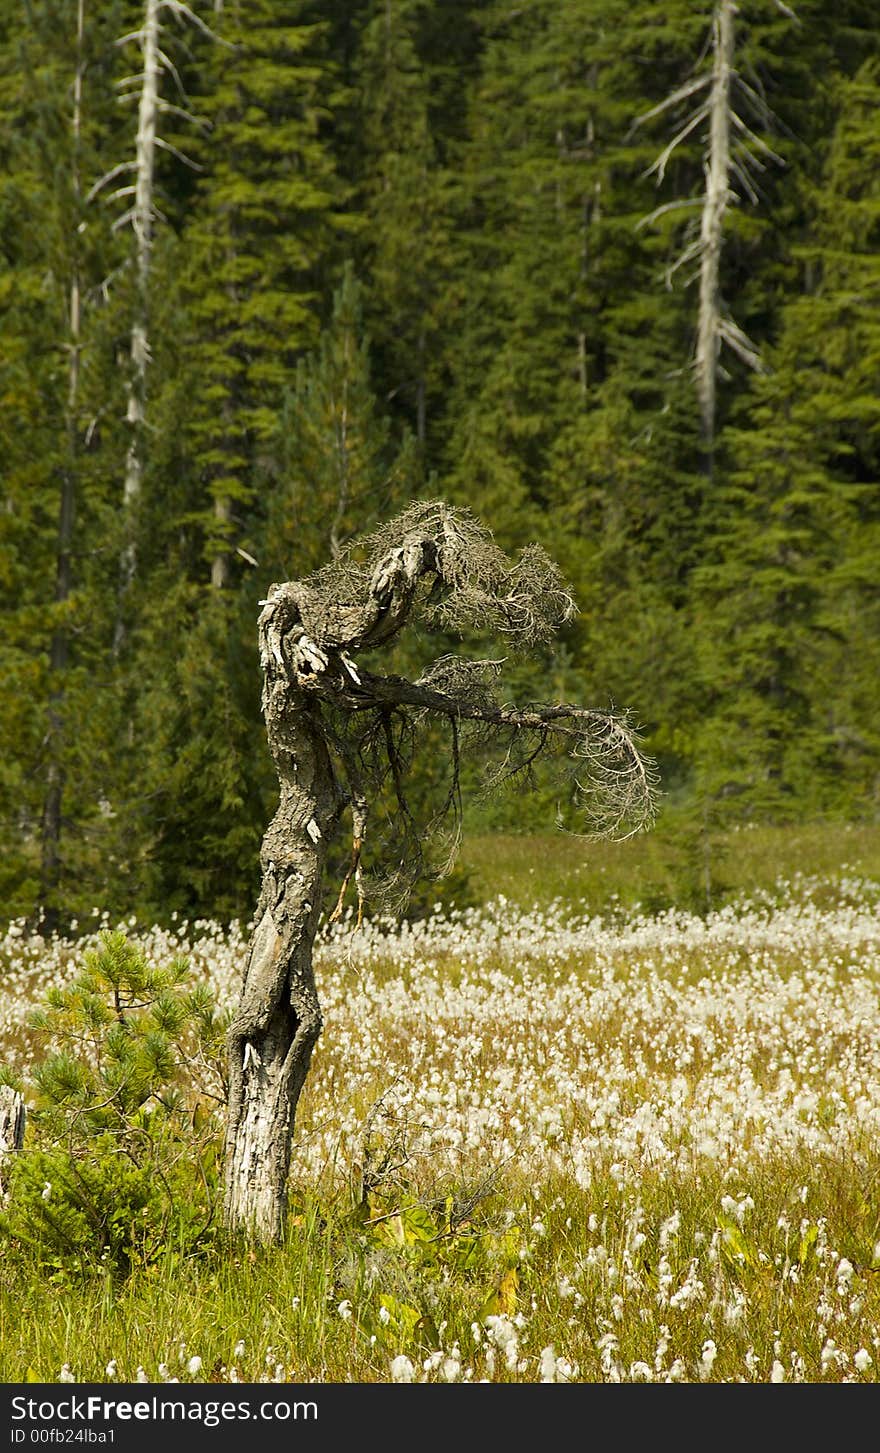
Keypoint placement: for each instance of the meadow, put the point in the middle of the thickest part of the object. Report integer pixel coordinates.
(543, 1139)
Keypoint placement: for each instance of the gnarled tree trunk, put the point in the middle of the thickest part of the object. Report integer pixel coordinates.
(316, 700)
(279, 1018)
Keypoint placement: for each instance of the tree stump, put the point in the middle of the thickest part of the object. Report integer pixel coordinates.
(12, 1118)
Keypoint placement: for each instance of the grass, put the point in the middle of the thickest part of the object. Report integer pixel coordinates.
(538, 1142)
(663, 1285)
(671, 866)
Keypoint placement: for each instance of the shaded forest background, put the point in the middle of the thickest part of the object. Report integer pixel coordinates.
(420, 248)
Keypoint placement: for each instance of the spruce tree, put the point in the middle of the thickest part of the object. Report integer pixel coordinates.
(258, 242)
(57, 723)
(404, 191)
(335, 468)
(789, 600)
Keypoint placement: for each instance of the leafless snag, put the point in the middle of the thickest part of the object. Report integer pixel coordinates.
(734, 157)
(344, 737)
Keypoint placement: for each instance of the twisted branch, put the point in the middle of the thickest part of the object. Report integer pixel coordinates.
(442, 565)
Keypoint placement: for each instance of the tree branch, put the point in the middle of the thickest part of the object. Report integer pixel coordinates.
(618, 790)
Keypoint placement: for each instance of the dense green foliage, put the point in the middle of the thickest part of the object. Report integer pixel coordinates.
(420, 248)
(121, 1157)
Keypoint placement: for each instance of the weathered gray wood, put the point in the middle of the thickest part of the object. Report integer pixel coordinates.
(142, 216)
(12, 1123)
(728, 161)
(145, 85)
(278, 1019)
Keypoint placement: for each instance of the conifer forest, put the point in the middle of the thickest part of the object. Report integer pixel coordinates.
(604, 272)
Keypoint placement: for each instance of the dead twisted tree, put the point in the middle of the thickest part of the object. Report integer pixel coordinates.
(343, 738)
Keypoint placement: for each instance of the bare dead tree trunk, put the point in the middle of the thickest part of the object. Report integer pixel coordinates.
(279, 1018)
(733, 149)
(142, 225)
(12, 1123)
(145, 86)
(718, 193)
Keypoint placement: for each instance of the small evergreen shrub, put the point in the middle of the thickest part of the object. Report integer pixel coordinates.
(121, 1154)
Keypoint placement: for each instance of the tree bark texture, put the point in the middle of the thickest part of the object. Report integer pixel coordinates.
(141, 215)
(142, 224)
(278, 1019)
(12, 1122)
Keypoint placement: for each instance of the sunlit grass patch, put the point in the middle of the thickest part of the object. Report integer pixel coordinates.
(674, 864)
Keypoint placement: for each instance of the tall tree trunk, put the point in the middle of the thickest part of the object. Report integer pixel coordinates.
(142, 224)
(278, 1019)
(220, 562)
(712, 222)
(59, 650)
(725, 159)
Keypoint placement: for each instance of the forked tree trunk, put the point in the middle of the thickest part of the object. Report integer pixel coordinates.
(279, 1017)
